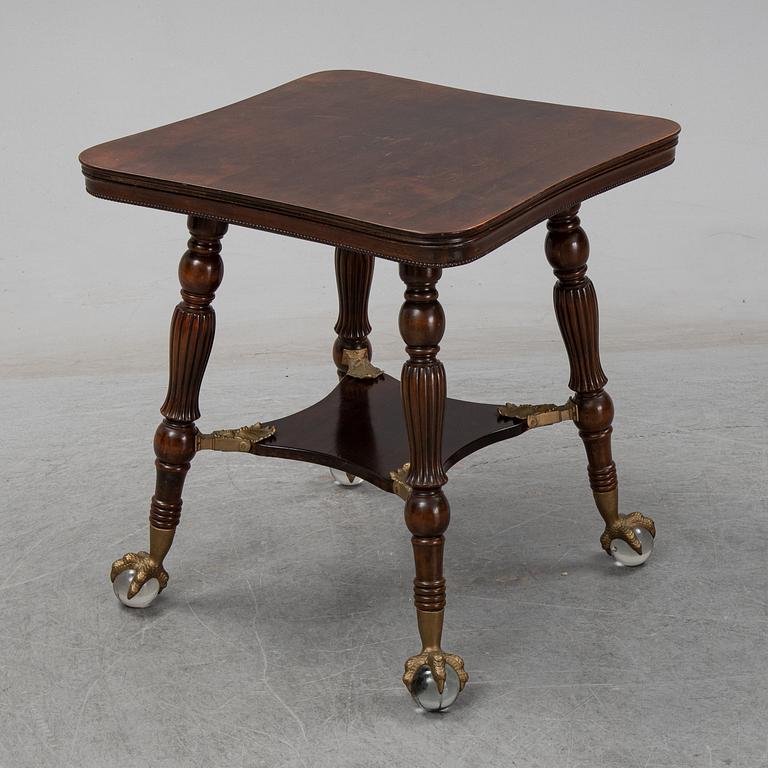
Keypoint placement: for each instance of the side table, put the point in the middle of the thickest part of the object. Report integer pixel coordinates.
(430, 177)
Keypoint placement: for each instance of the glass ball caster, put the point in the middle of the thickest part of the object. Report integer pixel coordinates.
(145, 596)
(425, 693)
(624, 555)
(345, 479)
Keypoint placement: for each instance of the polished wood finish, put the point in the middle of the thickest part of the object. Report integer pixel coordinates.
(192, 330)
(421, 174)
(354, 274)
(427, 512)
(359, 428)
(407, 170)
(567, 250)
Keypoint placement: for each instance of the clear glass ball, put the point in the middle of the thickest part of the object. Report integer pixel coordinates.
(623, 554)
(145, 595)
(345, 479)
(424, 689)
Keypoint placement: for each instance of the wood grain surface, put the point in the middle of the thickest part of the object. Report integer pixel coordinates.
(407, 170)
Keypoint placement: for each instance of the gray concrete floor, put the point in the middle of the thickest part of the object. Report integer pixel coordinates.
(280, 639)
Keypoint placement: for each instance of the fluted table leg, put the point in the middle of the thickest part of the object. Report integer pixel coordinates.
(352, 349)
(567, 250)
(433, 676)
(192, 331)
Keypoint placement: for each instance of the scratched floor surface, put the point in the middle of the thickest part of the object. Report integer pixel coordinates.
(280, 639)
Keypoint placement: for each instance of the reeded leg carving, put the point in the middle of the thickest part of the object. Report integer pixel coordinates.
(352, 349)
(192, 331)
(567, 250)
(433, 676)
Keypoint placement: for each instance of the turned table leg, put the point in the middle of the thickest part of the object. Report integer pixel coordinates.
(628, 537)
(139, 576)
(433, 676)
(352, 349)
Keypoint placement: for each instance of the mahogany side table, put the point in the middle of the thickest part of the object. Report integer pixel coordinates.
(430, 177)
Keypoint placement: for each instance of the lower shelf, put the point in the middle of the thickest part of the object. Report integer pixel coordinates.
(359, 428)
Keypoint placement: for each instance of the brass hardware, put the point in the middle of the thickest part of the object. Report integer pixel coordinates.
(399, 486)
(541, 415)
(160, 540)
(432, 655)
(242, 439)
(430, 625)
(618, 526)
(146, 568)
(436, 661)
(358, 365)
(148, 565)
(607, 504)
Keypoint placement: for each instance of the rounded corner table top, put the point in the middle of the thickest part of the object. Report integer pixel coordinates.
(399, 168)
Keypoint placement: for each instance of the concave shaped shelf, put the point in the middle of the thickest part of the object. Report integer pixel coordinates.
(360, 428)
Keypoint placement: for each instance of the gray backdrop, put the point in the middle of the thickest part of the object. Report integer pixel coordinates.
(264, 652)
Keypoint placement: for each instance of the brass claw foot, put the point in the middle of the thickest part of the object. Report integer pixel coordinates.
(435, 661)
(137, 579)
(625, 528)
(435, 679)
(627, 538)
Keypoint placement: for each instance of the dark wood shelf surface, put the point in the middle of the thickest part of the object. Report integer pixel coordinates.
(359, 428)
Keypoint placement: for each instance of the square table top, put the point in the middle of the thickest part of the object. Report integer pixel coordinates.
(403, 169)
